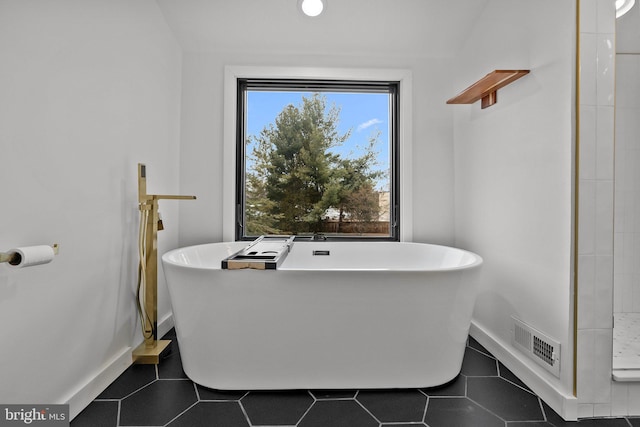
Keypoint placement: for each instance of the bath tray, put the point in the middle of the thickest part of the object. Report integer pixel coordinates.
(264, 253)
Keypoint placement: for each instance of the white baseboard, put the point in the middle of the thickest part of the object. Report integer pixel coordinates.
(165, 325)
(565, 405)
(86, 394)
(99, 383)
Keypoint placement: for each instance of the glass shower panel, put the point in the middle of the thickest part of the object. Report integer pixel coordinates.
(626, 333)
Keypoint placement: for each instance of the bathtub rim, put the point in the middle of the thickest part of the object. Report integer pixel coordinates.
(477, 260)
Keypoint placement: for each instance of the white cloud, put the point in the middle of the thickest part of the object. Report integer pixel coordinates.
(369, 123)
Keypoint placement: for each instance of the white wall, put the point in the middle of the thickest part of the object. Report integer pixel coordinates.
(87, 90)
(421, 36)
(202, 135)
(513, 182)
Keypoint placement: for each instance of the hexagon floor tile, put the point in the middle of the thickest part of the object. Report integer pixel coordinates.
(459, 412)
(394, 405)
(509, 402)
(213, 414)
(337, 413)
(158, 403)
(485, 394)
(133, 379)
(274, 408)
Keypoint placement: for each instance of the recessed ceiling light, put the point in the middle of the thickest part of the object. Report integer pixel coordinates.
(312, 7)
(623, 6)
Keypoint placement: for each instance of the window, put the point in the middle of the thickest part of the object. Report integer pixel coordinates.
(317, 157)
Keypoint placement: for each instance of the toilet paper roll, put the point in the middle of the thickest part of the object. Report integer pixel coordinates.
(30, 255)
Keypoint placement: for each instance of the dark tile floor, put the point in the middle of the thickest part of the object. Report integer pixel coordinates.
(485, 394)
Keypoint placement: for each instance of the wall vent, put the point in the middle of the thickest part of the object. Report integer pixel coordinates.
(538, 346)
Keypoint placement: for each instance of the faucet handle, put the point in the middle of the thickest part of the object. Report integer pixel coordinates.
(160, 224)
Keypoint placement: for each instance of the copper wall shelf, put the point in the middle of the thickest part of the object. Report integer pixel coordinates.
(487, 87)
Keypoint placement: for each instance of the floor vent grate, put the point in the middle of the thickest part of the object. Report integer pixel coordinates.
(539, 347)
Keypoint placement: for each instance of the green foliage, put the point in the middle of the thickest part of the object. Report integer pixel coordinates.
(294, 177)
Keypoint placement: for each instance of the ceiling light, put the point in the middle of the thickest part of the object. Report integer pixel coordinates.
(312, 7)
(623, 6)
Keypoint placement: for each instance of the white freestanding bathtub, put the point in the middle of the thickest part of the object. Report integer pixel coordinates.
(368, 315)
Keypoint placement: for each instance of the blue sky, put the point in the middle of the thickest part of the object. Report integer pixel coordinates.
(362, 113)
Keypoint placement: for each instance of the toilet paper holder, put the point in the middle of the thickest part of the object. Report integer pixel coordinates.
(14, 257)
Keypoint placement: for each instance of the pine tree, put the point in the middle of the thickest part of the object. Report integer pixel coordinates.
(295, 177)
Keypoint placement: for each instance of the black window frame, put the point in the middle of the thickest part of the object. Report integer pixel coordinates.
(320, 85)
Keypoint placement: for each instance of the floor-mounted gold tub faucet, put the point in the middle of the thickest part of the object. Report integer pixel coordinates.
(147, 297)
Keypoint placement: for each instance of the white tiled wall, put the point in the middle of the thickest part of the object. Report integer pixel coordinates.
(596, 191)
(598, 395)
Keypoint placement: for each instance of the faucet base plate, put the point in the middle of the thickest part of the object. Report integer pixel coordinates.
(145, 355)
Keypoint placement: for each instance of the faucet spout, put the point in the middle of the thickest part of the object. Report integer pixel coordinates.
(318, 237)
